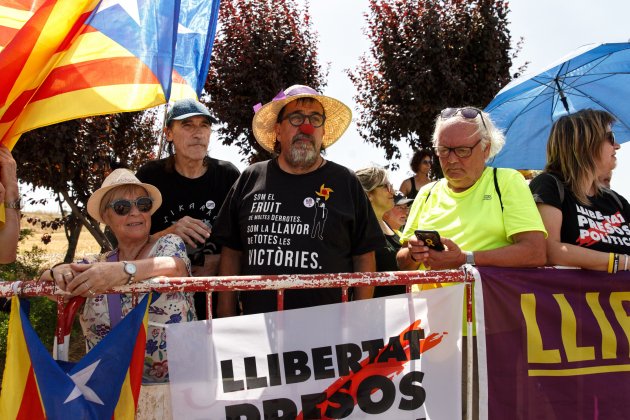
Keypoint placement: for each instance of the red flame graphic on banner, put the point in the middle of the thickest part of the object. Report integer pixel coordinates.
(390, 369)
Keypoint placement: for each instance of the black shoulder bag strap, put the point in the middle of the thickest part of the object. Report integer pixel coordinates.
(496, 187)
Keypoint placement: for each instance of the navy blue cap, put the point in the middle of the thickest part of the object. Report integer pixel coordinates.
(186, 108)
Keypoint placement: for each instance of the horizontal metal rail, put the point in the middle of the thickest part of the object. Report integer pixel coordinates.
(235, 283)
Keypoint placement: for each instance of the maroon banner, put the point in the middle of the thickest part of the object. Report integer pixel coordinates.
(556, 344)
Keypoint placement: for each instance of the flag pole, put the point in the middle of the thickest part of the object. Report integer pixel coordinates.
(161, 143)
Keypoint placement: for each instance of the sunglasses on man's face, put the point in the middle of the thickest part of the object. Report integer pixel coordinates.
(469, 113)
(296, 119)
(123, 206)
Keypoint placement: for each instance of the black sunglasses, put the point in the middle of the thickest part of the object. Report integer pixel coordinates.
(296, 119)
(469, 113)
(610, 136)
(123, 206)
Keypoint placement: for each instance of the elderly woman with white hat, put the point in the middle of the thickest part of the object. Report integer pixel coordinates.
(125, 205)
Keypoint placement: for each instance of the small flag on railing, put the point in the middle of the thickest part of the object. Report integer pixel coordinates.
(105, 383)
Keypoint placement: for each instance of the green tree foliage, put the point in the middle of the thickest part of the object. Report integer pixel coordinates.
(261, 48)
(426, 55)
(43, 311)
(73, 158)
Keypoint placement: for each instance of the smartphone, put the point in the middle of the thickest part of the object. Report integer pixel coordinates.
(431, 238)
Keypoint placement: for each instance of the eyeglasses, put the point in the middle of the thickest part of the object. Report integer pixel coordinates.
(610, 136)
(460, 152)
(123, 206)
(297, 119)
(427, 161)
(469, 113)
(388, 186)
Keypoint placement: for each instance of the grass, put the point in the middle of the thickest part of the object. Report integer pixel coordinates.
(55, 250)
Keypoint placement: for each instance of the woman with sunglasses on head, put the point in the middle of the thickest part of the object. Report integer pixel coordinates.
(125, 205)
(421, 166)
(380, 192)
(587, 222)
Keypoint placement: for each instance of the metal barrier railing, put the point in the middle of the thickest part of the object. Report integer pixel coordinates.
(67, 310)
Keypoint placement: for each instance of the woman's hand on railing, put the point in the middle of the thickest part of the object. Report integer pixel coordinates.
(93, 279)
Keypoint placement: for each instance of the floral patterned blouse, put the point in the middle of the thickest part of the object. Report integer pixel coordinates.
(169, 308)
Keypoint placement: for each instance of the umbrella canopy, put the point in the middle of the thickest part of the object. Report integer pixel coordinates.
(594, 76)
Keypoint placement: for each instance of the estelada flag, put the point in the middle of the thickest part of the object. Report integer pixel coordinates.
(119, 55)
(105, 383)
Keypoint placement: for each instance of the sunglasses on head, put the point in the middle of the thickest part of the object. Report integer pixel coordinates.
(468, 112)
(123, 206)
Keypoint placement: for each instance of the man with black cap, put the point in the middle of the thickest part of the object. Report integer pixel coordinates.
(297, 213)
(193, 186)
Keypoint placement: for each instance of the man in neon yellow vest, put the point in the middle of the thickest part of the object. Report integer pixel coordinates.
(484, 217)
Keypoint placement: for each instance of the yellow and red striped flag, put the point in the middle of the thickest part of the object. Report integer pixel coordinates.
(112, 56)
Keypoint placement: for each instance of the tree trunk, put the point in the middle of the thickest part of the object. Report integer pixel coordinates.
(73, 230)
(90, 224)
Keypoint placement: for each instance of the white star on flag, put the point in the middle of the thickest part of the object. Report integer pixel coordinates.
(129, 6)
(80, 380)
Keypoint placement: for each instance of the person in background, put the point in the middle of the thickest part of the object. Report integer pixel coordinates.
(125, 205)
(396, 218)
(297, 213)
(9, 207)
(588, 223)
(421, 166)
(380, 192)
(193, 186)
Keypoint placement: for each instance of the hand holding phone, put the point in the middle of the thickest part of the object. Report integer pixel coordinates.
(431, 239)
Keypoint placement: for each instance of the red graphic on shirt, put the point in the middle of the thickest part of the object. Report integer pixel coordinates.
(349, 384)
(324, 192)
(593, 235)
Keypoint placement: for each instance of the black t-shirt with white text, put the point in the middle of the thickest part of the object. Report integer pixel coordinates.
(200, 198)
(297, 224)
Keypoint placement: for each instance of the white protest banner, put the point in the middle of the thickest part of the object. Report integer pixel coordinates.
(391, 358)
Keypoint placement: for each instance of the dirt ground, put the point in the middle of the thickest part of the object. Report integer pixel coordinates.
(56, 249)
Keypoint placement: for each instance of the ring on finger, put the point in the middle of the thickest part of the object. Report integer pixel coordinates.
(91, 292)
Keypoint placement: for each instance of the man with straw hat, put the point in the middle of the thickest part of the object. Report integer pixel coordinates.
(297, 213)
(193, 185)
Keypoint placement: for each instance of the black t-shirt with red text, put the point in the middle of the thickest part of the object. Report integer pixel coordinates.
(603, 225)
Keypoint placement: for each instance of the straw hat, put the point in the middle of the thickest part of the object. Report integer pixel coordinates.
(117, 178)
(338, 115)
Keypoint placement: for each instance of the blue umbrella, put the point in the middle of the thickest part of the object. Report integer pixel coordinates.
(595, 76)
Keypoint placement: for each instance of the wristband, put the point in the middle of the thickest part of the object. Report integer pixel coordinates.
(616, 264)
(611, 259)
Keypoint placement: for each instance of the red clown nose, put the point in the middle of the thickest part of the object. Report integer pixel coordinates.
(307, 129)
